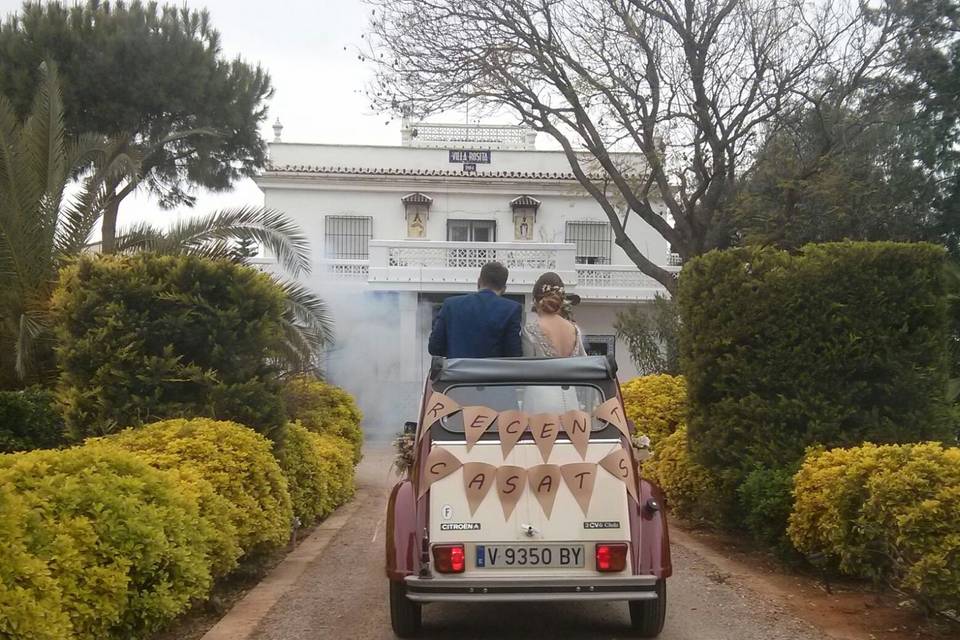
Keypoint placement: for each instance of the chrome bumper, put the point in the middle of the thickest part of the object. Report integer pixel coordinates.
(509, 589)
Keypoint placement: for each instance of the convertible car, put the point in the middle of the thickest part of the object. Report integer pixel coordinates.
(524, 487)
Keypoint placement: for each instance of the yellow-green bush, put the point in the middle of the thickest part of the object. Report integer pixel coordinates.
(236, 461)
(324, 408)
(319, 471)
(692, 491)
(126, 550)
(30, 606)
(890, 513)
(656, 404)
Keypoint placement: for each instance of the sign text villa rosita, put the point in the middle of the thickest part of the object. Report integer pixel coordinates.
(467, 156)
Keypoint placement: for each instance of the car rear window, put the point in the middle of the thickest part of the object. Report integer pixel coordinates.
(541, 398)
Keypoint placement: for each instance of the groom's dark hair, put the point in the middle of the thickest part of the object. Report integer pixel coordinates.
(494, 276)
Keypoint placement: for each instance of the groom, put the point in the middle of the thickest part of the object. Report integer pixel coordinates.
(479, 325)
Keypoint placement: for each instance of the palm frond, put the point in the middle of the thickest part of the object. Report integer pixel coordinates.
(269, 228)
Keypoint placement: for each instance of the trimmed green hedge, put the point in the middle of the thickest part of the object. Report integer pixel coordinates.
(319, 472)
(29, 420)
(840, 344)
(143, 338)
(325, 409)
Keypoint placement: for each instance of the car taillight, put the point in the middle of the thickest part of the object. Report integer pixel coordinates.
(611, 557)
(449, 558)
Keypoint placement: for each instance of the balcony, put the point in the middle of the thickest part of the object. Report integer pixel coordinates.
(453, 267)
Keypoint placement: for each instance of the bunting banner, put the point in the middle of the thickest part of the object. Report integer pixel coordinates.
(577, 425)
(476, 421)
(544, 481)
(612, 411)
(478, 477)
(510, 483)
(544, 427)
(510, 426)
(580, 478)
(440, 464)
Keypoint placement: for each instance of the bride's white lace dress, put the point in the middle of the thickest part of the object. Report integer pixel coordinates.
(548, 399)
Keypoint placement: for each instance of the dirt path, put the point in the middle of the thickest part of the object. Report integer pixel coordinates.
(343, 594)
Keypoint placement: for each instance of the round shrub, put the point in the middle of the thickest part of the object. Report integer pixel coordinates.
(29, 419)
(692, 491)
(656, 404)
(145, 337)
(299, 457)
(126, 549)
(890, 513)
(324, 408)
(336, 457)
(30, 607)
(235, 460)
(766, 499)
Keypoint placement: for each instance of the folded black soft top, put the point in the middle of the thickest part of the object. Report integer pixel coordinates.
(523, 369)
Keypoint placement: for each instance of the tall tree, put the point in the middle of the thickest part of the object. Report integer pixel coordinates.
(153, 78)
(686, 83)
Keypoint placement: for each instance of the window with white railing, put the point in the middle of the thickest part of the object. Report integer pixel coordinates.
(594, 241)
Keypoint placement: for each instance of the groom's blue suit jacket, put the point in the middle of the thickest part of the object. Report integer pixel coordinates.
(478, 325)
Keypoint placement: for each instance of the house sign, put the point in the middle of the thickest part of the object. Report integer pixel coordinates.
(465, 156)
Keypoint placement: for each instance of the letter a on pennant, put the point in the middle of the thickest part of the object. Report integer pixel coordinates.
(438, 406)
(510, 484)
(612, 411)
(476, 420)
(577, 425)
(440, 463)
(544, 481)
(544, 427)
(510, 426)
(618, 464)
(478, 477)
(580, 478)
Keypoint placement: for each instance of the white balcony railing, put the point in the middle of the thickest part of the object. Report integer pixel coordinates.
(484, 136)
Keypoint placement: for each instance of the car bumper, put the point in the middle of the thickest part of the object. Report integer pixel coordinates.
(507, 589)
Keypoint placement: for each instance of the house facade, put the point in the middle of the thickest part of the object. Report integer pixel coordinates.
(396, 229)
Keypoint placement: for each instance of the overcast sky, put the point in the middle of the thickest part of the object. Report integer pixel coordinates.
(319, 85)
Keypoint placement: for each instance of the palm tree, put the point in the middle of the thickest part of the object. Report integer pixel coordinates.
(42, 228)
(218, 235)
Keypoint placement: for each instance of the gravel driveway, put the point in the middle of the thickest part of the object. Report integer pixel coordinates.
(343, 595)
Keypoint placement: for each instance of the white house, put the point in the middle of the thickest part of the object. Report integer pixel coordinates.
(396, 229)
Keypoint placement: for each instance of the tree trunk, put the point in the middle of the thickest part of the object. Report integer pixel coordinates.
(108, 228)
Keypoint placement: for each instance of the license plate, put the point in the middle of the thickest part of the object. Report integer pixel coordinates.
(549, 556)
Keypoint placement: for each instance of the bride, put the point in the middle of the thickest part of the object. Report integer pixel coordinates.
(548, 334)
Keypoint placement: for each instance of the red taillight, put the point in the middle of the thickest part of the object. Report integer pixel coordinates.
(611, 557)
(449, 558)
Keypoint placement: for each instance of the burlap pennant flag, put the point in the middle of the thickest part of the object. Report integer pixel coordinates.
(476, 421)
(577, 425)
(440, 464)
(580, 478)
(438, 406)
(510, 483)
(510, 426)
(478, 477)
(612, 412)
(544, 427)
(617, 462)
(544, 481)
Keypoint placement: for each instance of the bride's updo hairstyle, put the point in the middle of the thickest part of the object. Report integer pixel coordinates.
(548, 293)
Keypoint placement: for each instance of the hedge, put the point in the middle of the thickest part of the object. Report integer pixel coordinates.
(324, 408)
(692, 491)
(29, 419)
(891, 513)
(839, 344)
(656, 404)
(143, 338)
(235, 460)
(126, 550)
(319, 472)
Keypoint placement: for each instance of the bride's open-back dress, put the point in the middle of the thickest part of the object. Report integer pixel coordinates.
(548, 399)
